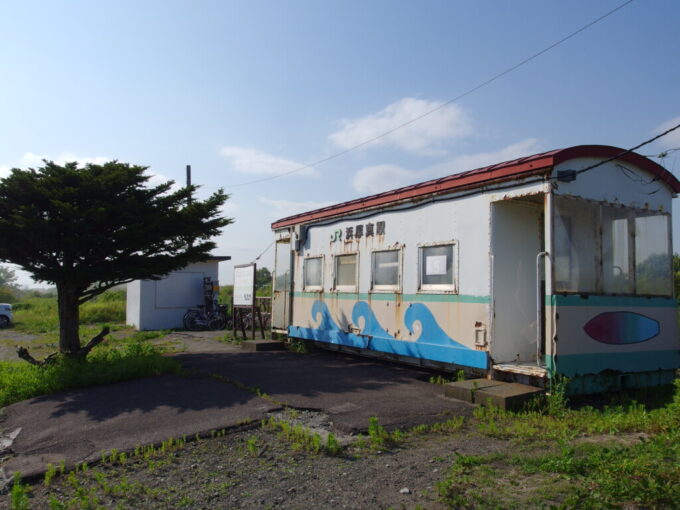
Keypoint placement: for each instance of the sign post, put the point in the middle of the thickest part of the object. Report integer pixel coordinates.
(244, 306)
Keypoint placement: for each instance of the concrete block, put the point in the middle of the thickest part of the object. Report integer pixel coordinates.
(465, 390)
(263, 345)
(509, 396)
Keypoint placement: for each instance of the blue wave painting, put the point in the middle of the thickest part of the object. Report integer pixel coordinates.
(430, 331)
(371, 325)
(326, 322)
(433, 343)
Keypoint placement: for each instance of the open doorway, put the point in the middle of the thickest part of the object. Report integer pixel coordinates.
(517, 237)
(282, 287)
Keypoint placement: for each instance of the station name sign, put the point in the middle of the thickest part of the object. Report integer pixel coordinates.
(359, 231)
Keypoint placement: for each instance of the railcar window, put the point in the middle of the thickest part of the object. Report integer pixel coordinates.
(617, 241)
(600, 248)
(385, 270)
(575, 249)
(346, 272)
(437, 267)
(313, 272)
(652, 255)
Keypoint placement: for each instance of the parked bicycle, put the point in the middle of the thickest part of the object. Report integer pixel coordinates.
(197, 319)
(247, 318)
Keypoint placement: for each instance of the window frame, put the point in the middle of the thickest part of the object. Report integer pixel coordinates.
(346, 288)
(439, 288)
(312, 288)
(391, 288)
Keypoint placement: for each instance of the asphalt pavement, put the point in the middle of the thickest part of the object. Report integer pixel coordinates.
(78, 426)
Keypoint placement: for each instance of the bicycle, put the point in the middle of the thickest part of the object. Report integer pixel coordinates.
(197, 319)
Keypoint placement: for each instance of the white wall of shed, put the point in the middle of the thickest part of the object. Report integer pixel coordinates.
(161, 304)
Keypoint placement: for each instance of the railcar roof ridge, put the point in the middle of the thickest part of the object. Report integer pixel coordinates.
(536, 164)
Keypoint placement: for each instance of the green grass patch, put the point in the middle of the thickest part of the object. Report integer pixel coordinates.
(105, 364)
(301, 438)
(36, 314)
(620, 455)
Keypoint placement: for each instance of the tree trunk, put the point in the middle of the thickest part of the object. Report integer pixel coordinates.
(69, 319)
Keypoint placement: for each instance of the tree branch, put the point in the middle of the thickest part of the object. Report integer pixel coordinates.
(23, 353)
(84, 351)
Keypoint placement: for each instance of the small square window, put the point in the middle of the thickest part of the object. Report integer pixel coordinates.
(385, 270)
(438, 267)
(313, 273)
(346, 272)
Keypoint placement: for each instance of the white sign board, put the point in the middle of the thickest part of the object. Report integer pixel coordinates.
(435, 265)
(244, 285)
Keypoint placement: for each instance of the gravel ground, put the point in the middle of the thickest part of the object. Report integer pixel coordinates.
(256, 468)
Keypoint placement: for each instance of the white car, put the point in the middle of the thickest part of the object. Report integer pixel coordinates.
(5, 315)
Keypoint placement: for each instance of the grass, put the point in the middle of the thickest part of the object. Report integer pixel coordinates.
(105, 364)
(112, 361)
(39, 314)
(301, 438)
(621, 455)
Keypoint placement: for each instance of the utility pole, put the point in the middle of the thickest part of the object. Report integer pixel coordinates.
(189, 182)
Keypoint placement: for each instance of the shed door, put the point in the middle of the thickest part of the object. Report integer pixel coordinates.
(282, 282)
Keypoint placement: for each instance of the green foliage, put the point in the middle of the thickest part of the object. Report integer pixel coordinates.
(7, 295)
(676, 275)
(574, 458)
(50, 473)
(8, 277)
(38, 314)
(19, 494)
(379, 437)
(298, 346)
(251, 446)
(263, 278)
(301, 438)
(226, 294)
(131, 360)
(89, 229)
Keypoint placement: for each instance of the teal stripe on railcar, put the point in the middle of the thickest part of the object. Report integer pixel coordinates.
(610, 301)
(572, 365)
(392, 297)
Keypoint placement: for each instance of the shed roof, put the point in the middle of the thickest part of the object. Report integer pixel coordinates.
(537, 164)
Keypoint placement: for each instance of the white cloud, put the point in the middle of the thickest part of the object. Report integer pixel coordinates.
(252, 161)
(424, 136)
(378, 178)
(30, 160)
(472, 161)
(672, 139)
(285, 208)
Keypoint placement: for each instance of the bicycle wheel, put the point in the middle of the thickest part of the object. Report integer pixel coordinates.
(193, 321)
(217, 320)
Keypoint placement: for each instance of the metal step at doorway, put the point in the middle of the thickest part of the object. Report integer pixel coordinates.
(525, 372)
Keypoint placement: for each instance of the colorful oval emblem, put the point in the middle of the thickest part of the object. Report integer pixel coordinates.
(620, 328)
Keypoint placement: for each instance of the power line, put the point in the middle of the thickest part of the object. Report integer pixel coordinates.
(662, 154)
(265, 251)
(433, 110)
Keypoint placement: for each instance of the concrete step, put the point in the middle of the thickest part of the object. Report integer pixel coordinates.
(263, 345)
(510, 396)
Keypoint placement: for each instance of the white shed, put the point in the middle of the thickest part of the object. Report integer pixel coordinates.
(161, 304)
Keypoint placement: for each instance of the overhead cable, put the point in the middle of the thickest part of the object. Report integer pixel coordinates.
(433, 110)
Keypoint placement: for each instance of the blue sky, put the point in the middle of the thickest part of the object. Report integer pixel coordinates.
(245, 90)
